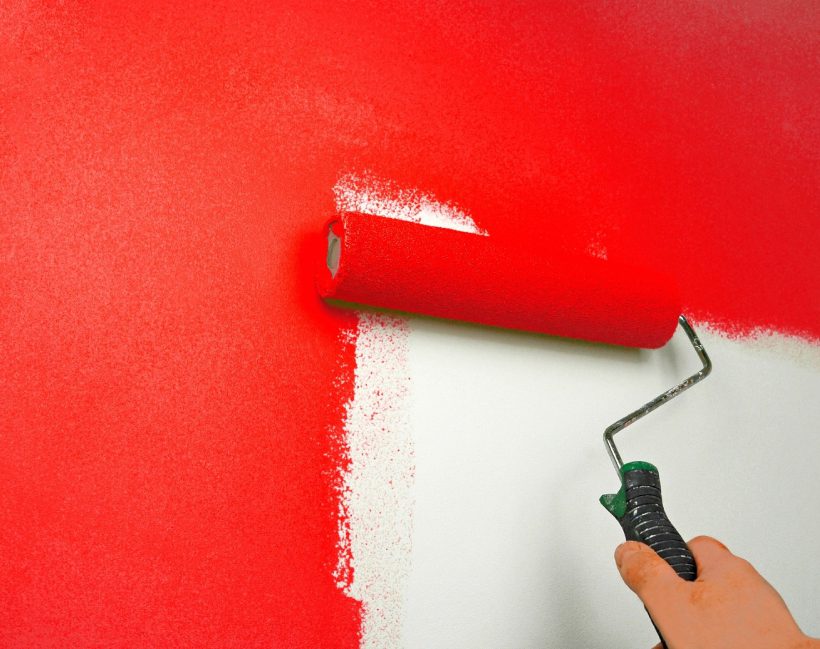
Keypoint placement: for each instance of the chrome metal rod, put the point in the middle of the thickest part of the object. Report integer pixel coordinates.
(658, 401)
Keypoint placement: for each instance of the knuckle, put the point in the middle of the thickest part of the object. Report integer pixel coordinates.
(743, 566)
(706, 541)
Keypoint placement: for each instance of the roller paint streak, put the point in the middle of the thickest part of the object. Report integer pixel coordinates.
(369, 194)
(377, 504)
(376, 486)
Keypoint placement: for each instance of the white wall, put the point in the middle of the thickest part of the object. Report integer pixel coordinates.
(510, 547)
(477, 463)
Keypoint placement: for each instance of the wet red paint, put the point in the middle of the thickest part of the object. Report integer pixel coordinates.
(169, 376)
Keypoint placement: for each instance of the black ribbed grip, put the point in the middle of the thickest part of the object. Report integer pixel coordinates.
(645, 520)
(638, 507)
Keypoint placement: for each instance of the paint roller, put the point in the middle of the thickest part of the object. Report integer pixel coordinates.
(433, 271)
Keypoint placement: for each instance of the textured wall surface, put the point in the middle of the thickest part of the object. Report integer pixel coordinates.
(173, 449)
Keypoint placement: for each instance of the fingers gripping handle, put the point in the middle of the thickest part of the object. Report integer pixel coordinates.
(639, 509)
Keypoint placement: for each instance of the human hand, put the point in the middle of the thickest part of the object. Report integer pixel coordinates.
(728, 606)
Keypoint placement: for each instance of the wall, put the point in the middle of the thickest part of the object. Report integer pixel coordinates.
(176, 464)
(510, 546)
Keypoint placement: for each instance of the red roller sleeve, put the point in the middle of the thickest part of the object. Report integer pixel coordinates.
(405, 266)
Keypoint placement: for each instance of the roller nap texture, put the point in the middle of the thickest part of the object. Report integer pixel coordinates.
(404, 266)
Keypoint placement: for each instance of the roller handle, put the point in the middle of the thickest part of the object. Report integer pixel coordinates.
(638, 507)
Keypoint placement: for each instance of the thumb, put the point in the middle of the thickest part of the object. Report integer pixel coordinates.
(646, 574)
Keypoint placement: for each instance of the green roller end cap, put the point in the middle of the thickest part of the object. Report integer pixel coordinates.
(637, 466)
(615, 504)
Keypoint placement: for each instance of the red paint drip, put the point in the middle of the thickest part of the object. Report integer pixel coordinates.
(168, 383)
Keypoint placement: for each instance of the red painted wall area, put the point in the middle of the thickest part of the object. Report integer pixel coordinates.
(173, 390)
